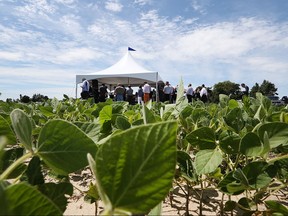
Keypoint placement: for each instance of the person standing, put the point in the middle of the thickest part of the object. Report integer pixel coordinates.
(167, 90)
(140, 95)
(146, 91)
(129, 94)
(103, 93)
(245, 90)
(85, 89)
(190, 93)
(204, 94)
(119, 93)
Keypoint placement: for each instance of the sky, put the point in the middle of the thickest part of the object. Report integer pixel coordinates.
(44, 44)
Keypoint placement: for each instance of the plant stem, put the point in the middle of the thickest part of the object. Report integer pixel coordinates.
(14, 165)
(278, 158)
(201, 198)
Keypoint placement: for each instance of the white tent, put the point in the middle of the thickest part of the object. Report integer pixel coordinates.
(126, 71)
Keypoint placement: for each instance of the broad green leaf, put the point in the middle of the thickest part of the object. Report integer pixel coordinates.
(23, 199)
(235, 188)
(33, 173)
(207, 161)
(234, 119)
(233, 104)
(135, 168)
(277, 133)
(47, 110)
(203, 138)
(230, 180)
(91, 129)
(275, 206)
(185, 164)
(148, 115)
(157, 210)
(180, 91)
(229, 142)
(250, 145)
(230, 205)
(199, 114)
(240, 176)
(5, 130)
(247, 204)
(57, 193)
(259, 174)
(105, 114)
(261, 113)
(8, 158)
(64, 147)
(122, 123)
(266, 145)
(23, 127)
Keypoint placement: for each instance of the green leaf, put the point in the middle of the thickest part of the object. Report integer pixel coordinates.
(235, 188)
(229, 142)
(250, 145)
(57, 193)
(105, 114)
(232, 104)
(148, 115)
(157, 210)
(276, 207)
(234, 119)
(259, 174)
(23, 127)
(8, 158)
(64, 147)
(122, 123)
(5, 130)
(91, 129)
(230, 205)
(239, 175)
(33, 172)
(229, 185)
(47, 110)
(266, 144)
(203, 138)
(23, 199)
(247, 204)
(185, 164)
(135, 168)
(207, 161)
(277, 133)
(261, 113)
(180, 91)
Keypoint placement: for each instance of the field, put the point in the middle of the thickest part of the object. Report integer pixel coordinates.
(74, 157)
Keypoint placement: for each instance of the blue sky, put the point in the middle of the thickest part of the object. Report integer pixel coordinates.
(45, 43)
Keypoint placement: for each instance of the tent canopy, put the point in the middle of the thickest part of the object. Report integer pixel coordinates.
(126, 72)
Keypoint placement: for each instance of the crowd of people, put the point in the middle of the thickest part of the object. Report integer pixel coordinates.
(166, 93)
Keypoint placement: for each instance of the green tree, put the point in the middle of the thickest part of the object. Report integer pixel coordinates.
(266, 88)
(228, 88)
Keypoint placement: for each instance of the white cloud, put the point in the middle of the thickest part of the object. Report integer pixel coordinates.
(142, 2)
(41, 7)
(113, 5)
(76, 55)
(10, 56)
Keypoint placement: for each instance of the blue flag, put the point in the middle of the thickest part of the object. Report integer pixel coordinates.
(130, 49)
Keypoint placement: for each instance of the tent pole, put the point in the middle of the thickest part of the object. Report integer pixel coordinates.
(76, 91)
(157, 93)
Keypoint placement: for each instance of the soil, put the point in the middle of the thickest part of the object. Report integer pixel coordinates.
(174, 203)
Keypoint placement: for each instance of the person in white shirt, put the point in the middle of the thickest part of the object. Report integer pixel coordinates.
(85, 89)
(204, 94)
(190, 93)
(146, 91)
